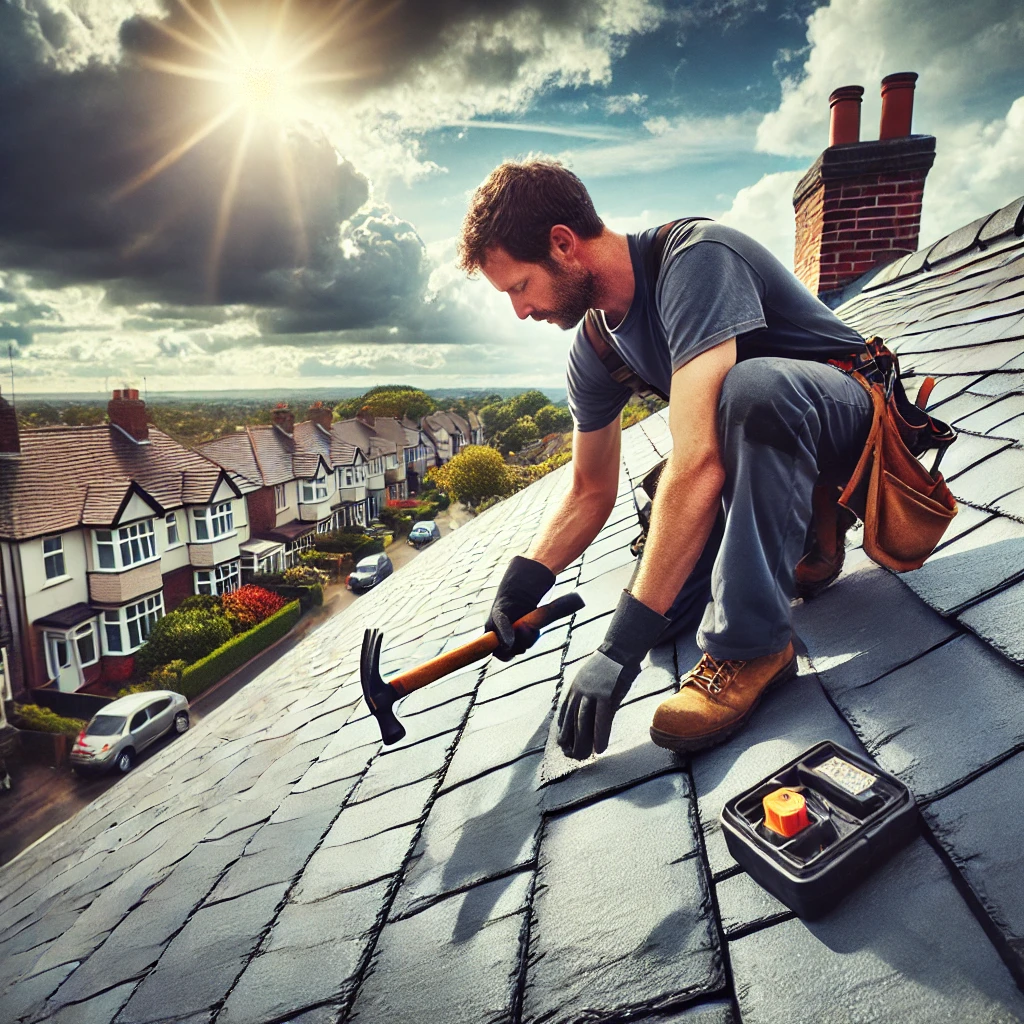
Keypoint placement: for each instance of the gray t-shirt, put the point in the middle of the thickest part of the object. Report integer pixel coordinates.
(715, 283)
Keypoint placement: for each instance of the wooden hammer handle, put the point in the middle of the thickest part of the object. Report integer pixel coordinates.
(451, 661)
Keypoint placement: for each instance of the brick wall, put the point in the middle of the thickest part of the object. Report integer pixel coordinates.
(177, 586)
(859, 206)
(262, 510)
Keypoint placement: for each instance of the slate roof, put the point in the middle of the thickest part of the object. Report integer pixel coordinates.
(277, 864)
(72, 476)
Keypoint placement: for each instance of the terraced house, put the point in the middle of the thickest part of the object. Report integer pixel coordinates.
(103, 529)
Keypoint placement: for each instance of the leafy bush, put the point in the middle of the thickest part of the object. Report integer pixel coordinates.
(237, 651)
(371, 547)
(329, 563)
(188, 635)
(250, 605)
(305, 576)
(40, 719)
(476, 473)
(339, 542)
(516, 436)
(553, 419)
(201, 602)
(163, 677)
(398, 523)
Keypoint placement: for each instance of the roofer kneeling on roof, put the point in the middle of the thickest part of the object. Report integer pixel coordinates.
(764, 431)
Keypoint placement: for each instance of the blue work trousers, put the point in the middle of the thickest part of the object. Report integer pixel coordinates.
(783, 424)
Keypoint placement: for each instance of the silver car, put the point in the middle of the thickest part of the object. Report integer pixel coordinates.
(126, 727)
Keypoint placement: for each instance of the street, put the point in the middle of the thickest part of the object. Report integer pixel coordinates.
(42, 797)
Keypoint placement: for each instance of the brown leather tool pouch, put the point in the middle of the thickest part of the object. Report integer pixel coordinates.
(904, 507)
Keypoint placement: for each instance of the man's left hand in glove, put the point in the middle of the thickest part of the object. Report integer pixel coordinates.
(604, 679)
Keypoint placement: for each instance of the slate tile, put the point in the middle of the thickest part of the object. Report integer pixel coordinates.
(998, 619)
(395, 767)
(349, 765)
(937, 720)
(971, 566)
(973, 359)
(500, 732)
(966, 519)
(585, 639)
(369, 817)
(475, 832)
(455, 961)
(204, 959)
(334, 868)
(716, 1012)
(440, 720)
(502, 679)
(903, 946)
(621, 915)
(314, 808)
(602, 594)
(100, 1009)
(592, 568)
(979, 827)
(1000, 383)
(310, 956)
(790, 719)
(989, 419)
(631, 757)
(440, 692)
(848, 632)
(743, 904)
(28, 995)
(967, 451)
(965, 405)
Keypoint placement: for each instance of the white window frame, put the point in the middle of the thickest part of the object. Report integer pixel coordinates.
(171, 522)
(214, 522)
(56, 556)
(135, 538)
(314, 490)
(221, 579)
(143, 615)
(280, 497)
(72, 639)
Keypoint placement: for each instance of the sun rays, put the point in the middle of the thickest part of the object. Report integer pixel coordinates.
(264, 70)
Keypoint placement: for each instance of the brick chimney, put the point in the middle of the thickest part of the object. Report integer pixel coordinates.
(320, 414)
(283, 418)
(365, 416)
(127, 411)
(859, 205)
(10, 442)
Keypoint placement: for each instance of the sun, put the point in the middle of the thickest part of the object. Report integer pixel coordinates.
(262, 71)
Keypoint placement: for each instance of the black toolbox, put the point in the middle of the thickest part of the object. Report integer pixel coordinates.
(858, 817)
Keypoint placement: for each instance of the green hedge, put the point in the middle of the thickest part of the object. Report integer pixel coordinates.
(373, 547)
(237, 651)
(40, 719)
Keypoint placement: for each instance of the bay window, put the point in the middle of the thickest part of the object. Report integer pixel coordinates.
(315, 490)
(126, 629)
(53, 557)
(126, 546)
(213, 522)
(221, 579)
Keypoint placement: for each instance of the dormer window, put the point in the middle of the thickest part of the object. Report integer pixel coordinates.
(214, 521)
(315, 489)
(125, 547)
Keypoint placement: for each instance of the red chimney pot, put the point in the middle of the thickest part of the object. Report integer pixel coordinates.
(897, 105)
(124, 410)
(844, 127)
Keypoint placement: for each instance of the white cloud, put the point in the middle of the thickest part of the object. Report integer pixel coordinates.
(764, 211)
(630, 103)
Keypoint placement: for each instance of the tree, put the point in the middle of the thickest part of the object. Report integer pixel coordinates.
(553, 419)
(476, 473)
(528, 403)
(513, 438)
(497, 416)
(396, 400)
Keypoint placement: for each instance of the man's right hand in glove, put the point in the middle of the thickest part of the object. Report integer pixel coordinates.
(525, 582)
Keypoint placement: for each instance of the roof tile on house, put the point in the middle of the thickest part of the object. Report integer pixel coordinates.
(472, 872)
(72, 476)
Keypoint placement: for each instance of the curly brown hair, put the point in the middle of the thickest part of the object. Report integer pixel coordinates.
(517, 206)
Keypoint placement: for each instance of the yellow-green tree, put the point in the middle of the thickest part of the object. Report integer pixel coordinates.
(476, 473)
(388, 400)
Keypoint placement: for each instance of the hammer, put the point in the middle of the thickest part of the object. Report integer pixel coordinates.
(380, 696)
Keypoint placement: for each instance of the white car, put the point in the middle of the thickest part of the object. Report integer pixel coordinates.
(126, 727)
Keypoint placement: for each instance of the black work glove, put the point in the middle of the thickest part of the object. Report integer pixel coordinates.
(604, 679)
(525, 582)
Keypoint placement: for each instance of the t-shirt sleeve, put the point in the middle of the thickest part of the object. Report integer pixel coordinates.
(707, 293)
(595, 399)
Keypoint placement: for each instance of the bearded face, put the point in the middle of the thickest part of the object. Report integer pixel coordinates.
(574, 290)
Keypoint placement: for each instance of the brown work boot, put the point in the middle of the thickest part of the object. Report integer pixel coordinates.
(824, 561)
(716, 699)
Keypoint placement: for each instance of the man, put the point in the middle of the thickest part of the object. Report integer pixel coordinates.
(758, 418)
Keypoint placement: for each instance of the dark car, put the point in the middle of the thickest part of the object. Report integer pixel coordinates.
(369, 572)
(423, 533)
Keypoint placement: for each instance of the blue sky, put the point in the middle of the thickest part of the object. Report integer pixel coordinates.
(320, 252)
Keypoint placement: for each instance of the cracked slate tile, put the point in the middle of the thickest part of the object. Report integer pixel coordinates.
(389, 810)
(789, 720)
(28, 995)
(997, 620)
(458, 960)
(101, 1009)
(622, 918)
(334, 868)
(903, 946)
(631, 757)
(310, 956)
(974, 826)
(500, 732)
(937, 720)
(743, 904)
(395, 767)
(203, 960)
(475, 832)
(847, 633)
(971, 566)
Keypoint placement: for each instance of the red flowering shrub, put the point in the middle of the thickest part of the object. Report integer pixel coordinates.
(402, 502)
(249, 606)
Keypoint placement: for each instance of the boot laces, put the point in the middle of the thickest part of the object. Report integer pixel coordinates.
(713, 675)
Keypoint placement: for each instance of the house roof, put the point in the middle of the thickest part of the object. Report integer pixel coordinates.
(471, 872)
(70, 476)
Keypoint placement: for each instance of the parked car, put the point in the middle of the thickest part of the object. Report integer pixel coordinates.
(116, 736)
(423, 533)
(369, 572)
